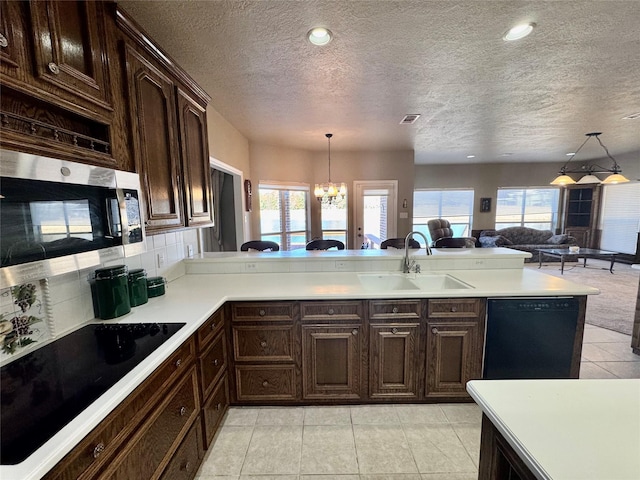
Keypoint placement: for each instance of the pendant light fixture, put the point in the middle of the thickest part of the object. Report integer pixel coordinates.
(590, 169)
(327, 192)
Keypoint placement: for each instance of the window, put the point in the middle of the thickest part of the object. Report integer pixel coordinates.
(283, 215)
(620, 219)
(528, 207)
(453, 204)
(334, 219)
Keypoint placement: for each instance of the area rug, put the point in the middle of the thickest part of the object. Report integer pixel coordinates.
(615, 307)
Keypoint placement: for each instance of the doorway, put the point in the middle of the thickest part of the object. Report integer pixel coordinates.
(375, 212)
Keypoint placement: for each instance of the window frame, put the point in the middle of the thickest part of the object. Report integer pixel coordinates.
(422, 227)
(555, 214)
(284, 235)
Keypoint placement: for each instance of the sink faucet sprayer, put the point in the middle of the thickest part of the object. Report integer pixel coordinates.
(407, 264)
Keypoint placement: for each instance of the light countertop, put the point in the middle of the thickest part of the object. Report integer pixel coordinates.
(193, 298)
(567, 429)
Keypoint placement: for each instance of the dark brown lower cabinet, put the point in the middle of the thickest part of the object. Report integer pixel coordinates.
(331, 362)
(185, 462)
(498, 460)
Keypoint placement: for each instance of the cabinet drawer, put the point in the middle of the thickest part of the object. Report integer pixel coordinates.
(213, 410)
(263, 343)
(184, 464)
(455, 308)
(270, 311)
(394, 309)
(160, 434)
(265, 382)
(213, 364)
(322, 311)
(102, 443)
(210, 329)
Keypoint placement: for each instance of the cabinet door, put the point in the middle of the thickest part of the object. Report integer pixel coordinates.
(331, 361)
(393, 357)
(155, 141)
(454, 357)
(195, 161)
(11, 39)
(70, 48)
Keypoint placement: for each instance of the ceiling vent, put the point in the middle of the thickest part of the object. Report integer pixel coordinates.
(410, 119)
(633, 116)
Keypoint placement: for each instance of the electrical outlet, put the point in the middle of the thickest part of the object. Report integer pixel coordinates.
(250, 267)
(190, 251)
(341, 265)
(160, 259)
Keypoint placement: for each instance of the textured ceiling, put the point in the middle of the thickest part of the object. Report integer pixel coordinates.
(526, 101)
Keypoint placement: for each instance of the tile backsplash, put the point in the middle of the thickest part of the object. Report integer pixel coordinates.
(70, 302)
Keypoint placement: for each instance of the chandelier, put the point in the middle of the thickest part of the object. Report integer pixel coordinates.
(328, 192)
(590, 169)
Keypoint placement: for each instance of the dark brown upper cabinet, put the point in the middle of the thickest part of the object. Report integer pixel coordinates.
(69, 43)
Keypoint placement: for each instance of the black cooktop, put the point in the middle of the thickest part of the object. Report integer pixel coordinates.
(47, 388)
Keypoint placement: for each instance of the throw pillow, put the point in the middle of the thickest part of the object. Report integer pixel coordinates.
(497, 241)
(558, 239)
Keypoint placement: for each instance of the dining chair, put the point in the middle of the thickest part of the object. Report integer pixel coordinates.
(398, 243)
(324, 245)
(260, 245)
(455, 242)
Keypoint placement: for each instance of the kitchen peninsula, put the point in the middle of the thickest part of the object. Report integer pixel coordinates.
(267, 334)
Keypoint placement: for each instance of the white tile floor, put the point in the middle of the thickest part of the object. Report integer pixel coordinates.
(376, 442)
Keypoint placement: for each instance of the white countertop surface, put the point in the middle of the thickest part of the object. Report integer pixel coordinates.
(193, 298)
(567, 429)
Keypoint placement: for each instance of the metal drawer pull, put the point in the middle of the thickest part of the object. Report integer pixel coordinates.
(331, 311)
(3, 41)
(98, 449)
(53, 68)
(215, 362)
(218, 407)
(183, 411)
(262, 313)
(354, 331)
(263, 344)
(187, 466)
(213, 325)
(434, 330)
(394, 330)
(454, 309)
(265, 383)
(178, 362)
(394, 310)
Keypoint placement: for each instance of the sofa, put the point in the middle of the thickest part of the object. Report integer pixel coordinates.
(525, 239)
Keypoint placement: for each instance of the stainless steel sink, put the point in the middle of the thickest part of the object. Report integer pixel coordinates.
(384, 281)
(422, 281)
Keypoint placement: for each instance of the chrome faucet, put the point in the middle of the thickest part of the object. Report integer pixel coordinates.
(408, 265)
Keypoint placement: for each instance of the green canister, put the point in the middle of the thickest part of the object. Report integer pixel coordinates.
(112, 291)
(155, 286)
(138, 287)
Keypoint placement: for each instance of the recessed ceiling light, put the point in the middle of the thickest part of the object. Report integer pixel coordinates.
(570, 154)
(518, 32)
(319, 36)
(471, 156)
(506, 154)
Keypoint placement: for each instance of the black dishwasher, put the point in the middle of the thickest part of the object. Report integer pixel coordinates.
(530, 337)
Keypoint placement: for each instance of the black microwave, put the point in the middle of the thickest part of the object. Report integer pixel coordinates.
(57, 216)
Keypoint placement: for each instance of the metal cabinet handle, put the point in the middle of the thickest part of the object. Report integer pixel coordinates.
(187, 466)
(454, 309)
(354, 331)
(265, 383)
(434, 330)
(4, 43)
(331, 311)
(213, 325)
(215, 362)
(394, 330)
(178, 362)
(53, 68)
(183, 411)
(262, 313)
(263, 344)
(394, 310)
(218, 407)
(98, 449)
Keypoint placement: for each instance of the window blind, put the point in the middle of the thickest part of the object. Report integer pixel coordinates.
(620, 217)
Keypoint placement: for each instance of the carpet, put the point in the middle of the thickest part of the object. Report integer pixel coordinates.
(615, 307)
